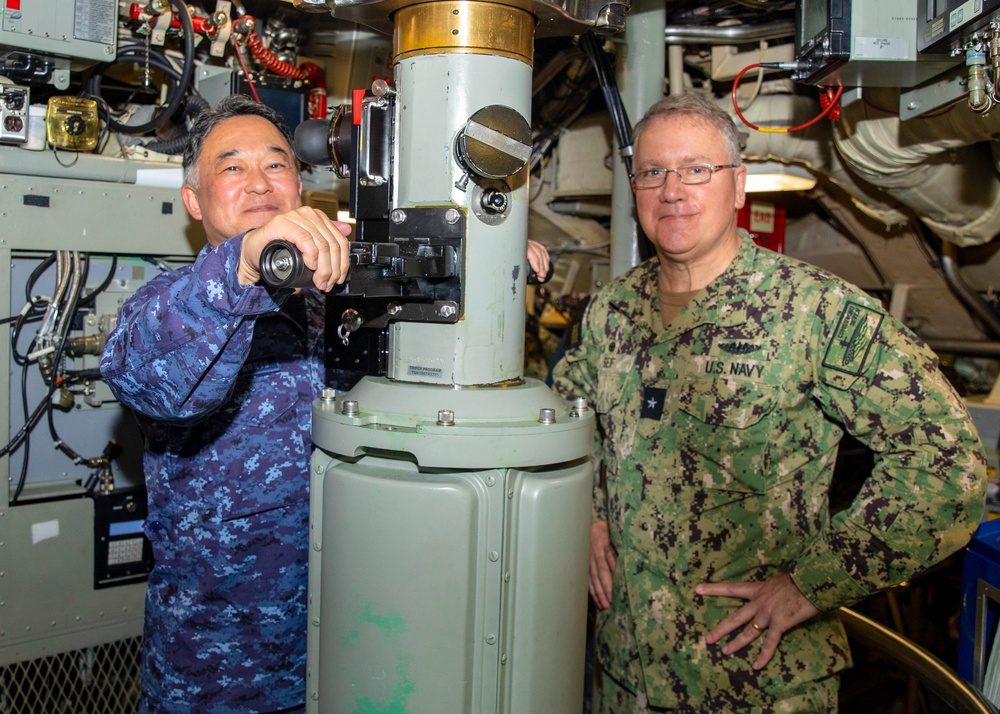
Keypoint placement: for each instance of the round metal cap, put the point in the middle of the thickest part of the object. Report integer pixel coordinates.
(495, 143)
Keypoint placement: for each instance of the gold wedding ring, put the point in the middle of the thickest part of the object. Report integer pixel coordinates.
(757, 627)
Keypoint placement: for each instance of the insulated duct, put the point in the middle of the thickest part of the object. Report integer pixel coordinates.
(811, 148)
(936, 167)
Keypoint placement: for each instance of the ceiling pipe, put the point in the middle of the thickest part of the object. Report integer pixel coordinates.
(976, 305)
(935, 165)
(728, 34)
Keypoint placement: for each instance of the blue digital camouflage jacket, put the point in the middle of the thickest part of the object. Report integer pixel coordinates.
(222, 377)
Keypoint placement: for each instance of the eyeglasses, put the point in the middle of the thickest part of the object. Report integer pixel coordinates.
(690, 175)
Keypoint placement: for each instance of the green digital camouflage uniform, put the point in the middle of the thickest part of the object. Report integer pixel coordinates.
(719, 436)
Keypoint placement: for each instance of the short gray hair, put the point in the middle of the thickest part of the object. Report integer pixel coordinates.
(693, 105)
(235, 105)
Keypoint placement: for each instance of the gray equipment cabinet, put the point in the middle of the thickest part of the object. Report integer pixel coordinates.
(73, 559)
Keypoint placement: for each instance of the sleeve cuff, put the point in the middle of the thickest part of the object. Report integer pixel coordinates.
(219, 273)
(820, 575)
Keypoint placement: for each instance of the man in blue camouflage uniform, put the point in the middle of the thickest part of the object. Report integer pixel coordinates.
(222, 373)
(724, 377)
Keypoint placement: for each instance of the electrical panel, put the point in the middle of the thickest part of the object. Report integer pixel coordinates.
(122, 554)
(943, 24)
(85, 416)
(854, 43)
(74, 559)
(87, 29)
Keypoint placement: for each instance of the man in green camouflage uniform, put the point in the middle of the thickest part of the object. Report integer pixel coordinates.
(724, 376)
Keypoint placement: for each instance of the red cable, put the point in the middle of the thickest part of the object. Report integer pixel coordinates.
(271, 61)
(246, 72)
(832, 99)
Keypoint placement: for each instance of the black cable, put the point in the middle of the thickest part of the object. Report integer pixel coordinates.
(174, 97)
(745, 11)
(77, 375)
(91, 297)
(30, 424)
(23, 436)
(36, 274)
(30, 421)
(74, 305)
(23, 478)
(194, 105)
(104, 131)
(24, 318)
(35, 314)
(591, 45)
(156, 59)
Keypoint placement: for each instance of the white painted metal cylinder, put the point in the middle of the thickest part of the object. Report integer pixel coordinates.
(438, 93)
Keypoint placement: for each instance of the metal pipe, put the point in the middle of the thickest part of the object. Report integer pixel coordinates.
(640, 66)
(675, 69)
(949, 265)
(728, 35)
(965, 347)
(938, 677)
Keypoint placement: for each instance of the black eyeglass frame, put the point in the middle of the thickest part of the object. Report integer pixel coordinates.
(680, 175)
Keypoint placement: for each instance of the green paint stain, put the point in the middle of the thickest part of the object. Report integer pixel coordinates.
(393, 627)
(392, 623)
(397, 702)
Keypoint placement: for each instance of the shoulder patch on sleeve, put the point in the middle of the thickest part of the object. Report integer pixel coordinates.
(857, 326)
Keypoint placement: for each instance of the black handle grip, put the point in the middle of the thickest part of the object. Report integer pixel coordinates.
(281, 266)
(532, 277)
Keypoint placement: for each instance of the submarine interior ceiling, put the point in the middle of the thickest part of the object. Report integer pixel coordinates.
(906, 200)
(887, 110)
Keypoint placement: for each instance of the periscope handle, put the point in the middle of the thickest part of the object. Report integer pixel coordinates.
(281, 266)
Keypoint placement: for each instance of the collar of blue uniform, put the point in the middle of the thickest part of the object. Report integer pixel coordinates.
(722, 302)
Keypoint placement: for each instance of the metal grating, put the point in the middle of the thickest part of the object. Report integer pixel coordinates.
(95, 680)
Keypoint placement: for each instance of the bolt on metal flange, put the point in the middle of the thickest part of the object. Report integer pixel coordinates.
(446, 417)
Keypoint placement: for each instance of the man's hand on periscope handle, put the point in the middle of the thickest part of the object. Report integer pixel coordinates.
(602, 564)
(773, 608)
(538, 259)
(321, 241)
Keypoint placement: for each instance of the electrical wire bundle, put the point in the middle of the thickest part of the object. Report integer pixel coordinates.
(591, 45)
(177, 83)
(741, 11)
(55, 316)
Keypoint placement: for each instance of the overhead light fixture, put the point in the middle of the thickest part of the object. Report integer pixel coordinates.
(769, 176)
